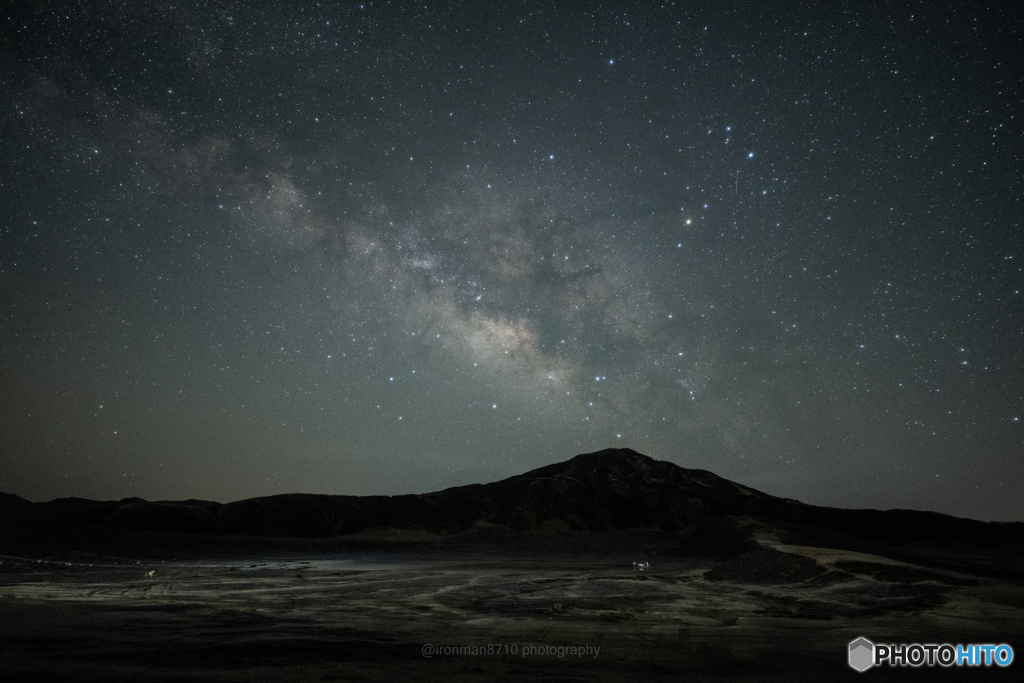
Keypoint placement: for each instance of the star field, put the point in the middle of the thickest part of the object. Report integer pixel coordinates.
(393, 247)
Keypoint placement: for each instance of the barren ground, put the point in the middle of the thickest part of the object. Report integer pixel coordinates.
(368, 616)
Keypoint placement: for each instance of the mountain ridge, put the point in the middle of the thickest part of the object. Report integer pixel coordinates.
(606, 490)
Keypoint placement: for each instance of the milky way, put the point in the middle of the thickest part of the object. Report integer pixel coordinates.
(389, 248)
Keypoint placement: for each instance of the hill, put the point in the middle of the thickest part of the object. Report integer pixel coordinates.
(607, 490)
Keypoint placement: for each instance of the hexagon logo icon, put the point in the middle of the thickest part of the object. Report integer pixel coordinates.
(861, 654)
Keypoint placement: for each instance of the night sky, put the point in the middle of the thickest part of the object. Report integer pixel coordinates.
(250, 249)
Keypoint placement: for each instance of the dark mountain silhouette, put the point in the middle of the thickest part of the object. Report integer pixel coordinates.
(613, 489)
(12, 506)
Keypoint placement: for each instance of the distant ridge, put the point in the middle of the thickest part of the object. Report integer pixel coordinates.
(14, 506)
(607, 490)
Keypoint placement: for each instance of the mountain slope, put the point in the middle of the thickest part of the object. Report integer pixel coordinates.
(602, 491)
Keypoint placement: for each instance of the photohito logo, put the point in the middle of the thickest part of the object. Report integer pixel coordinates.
(862, 654)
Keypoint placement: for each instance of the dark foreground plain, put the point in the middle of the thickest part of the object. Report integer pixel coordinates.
(359, 615)
(609, 567)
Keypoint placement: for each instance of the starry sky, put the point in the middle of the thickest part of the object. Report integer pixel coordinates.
(380, 248)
